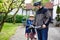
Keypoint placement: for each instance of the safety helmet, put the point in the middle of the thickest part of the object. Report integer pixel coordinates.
(37, 3)
(31, 15)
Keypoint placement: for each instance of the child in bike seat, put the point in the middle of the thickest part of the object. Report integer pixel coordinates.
(30, 33)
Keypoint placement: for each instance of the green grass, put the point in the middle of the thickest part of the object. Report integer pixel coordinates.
(8, 30)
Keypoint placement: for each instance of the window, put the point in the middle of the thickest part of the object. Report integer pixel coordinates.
(51, 1)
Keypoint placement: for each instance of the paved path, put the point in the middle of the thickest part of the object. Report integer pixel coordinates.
(19, 35)
(54, 34)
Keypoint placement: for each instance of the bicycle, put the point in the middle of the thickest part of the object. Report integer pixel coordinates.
(33, 27)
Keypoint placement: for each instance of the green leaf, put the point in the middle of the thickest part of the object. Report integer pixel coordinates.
(58, 10)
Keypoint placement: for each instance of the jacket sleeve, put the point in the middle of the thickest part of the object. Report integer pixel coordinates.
(28, 23)
(35, 21)
(47, 15)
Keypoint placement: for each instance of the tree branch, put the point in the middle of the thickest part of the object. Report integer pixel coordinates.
(18, 9)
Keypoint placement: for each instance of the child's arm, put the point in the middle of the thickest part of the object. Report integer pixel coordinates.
(28, 23)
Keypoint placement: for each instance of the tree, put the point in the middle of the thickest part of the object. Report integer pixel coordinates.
(58, 13)
(6, 6)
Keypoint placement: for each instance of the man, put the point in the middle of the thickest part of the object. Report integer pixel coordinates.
(42, 19)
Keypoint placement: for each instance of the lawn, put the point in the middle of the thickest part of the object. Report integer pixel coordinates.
(8, 30)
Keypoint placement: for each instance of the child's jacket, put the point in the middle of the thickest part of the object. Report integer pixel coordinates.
(28, 23)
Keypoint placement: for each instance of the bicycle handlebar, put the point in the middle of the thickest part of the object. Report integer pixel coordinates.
(36, 27)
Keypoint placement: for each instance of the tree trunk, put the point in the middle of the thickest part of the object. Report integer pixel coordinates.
(1, 26)
(22, 11)
(2, 21)
(4, 18)
(14, 19)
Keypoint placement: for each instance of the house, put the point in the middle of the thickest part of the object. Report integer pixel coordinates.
(49, 6)
(29, 6)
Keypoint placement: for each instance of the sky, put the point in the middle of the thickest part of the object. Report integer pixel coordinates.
(28, 1)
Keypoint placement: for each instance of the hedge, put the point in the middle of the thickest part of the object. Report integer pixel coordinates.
(18, 19)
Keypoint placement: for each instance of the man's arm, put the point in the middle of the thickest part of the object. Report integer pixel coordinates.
(48, 15)
(35, 20)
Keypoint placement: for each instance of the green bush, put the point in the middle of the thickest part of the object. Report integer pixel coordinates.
(58, 14)
(9, 19)
(58, 18)
(58, 10)
(18, 19)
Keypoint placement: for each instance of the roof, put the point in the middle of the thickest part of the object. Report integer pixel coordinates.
(29, 6)
(49, 5)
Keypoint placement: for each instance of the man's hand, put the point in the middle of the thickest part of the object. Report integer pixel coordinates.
(43, 26)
